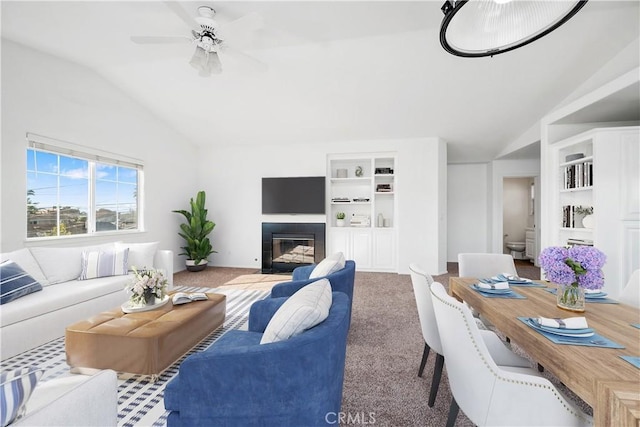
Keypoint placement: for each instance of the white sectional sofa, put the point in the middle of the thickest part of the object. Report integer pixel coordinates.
(76, 400)
(42, 316)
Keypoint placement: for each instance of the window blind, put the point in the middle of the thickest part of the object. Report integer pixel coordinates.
(66, 148)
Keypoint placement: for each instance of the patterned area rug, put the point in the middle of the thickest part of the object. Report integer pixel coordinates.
(140, 402)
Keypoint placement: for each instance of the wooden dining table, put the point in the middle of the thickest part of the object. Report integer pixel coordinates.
(599, 376)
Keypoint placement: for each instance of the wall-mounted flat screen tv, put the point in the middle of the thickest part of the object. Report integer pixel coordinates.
(293, 195)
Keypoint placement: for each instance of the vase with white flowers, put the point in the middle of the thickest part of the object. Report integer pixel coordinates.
(147, 286)
(574, 269)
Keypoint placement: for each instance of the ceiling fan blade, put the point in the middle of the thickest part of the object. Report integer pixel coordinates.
(242, 60)
(182, 14)
(241, 30)
(160, 39)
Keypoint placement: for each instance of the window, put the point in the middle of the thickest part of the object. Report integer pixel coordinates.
(73, 190)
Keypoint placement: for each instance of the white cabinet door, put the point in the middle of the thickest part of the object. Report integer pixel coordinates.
(339, 241)
(361, 247)
(384, 249)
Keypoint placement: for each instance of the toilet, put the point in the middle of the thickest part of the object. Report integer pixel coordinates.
(517, 249)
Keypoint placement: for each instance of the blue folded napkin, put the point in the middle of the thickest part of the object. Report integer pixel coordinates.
(487, 293)
(595, 340)
(634, 360)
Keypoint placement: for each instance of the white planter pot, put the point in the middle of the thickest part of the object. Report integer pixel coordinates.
(587, 221)
(192, 266)
(340, 222)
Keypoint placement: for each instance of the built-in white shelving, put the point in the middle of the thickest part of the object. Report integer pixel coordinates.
(363, 186)
(590, 153)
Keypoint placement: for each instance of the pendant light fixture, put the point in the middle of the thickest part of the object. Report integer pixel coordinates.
(476, 28)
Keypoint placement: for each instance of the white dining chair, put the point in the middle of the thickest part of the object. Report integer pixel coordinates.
(421, 282)
(483, 265)
(631, 292)
(490, 394)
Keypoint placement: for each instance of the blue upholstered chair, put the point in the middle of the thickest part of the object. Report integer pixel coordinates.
(341, 280)
(240, 382)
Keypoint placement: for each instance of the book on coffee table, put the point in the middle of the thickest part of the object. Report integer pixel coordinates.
(183, 298)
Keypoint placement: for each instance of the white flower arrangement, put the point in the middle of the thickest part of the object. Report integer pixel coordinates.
(146, 284)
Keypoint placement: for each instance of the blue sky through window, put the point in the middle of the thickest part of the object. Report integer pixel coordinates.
(57, 180)
(115, 185)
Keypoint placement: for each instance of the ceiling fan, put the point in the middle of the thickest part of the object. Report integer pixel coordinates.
(210, 38)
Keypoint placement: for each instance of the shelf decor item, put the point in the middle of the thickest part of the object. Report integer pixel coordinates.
(146, 287)
(574, 270)
(340, 219)
(587, 219)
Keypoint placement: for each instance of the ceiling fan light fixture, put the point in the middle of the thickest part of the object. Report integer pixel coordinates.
(477, 28)
(206, 63)
(199, 58)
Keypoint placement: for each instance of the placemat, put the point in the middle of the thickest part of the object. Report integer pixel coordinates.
(511, 295)
(590, 300)
(514, 283)
(634, 360)
(596, 340)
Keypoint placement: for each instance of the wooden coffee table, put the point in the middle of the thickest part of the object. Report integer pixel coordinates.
(146, 342)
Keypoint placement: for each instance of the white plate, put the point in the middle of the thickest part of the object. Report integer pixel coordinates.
(596, 295)
(563, 334)
(492, 291)
(128, 308)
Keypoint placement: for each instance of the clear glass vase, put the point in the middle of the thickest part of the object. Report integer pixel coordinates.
(150, 297)
(570, 297)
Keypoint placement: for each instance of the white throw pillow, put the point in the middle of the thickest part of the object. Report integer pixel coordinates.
(141, 255)
(303, 310)
(59, 264)
(63, 264)
(24, 259)
(104, 263)
(329, 265)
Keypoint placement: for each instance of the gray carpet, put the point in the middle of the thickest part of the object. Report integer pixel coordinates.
(384, 349)
(383, 355)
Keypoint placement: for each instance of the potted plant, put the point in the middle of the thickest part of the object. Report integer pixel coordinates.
(195, 231)
(340, 219)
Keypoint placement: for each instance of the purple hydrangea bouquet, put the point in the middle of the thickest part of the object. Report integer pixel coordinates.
(574, 269)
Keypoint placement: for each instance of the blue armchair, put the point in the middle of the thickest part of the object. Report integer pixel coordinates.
(239, 382)
(341, 281)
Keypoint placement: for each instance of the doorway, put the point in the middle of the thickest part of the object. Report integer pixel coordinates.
(519, 216)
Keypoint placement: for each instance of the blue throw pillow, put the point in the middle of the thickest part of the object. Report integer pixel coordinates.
(15, 282)
(15, 389)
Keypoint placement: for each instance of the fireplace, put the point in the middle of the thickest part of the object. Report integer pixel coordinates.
(287, 245)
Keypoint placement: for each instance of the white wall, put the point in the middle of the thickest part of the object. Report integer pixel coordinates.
(232, 178)
(475, 202)
(467, 208)
(56, 98)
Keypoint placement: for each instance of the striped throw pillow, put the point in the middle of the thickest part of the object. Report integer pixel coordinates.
(15, 282)
(104, 263)
(15, 389)
(303, 310)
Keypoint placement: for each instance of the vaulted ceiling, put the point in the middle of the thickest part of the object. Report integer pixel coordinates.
(340, 70)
